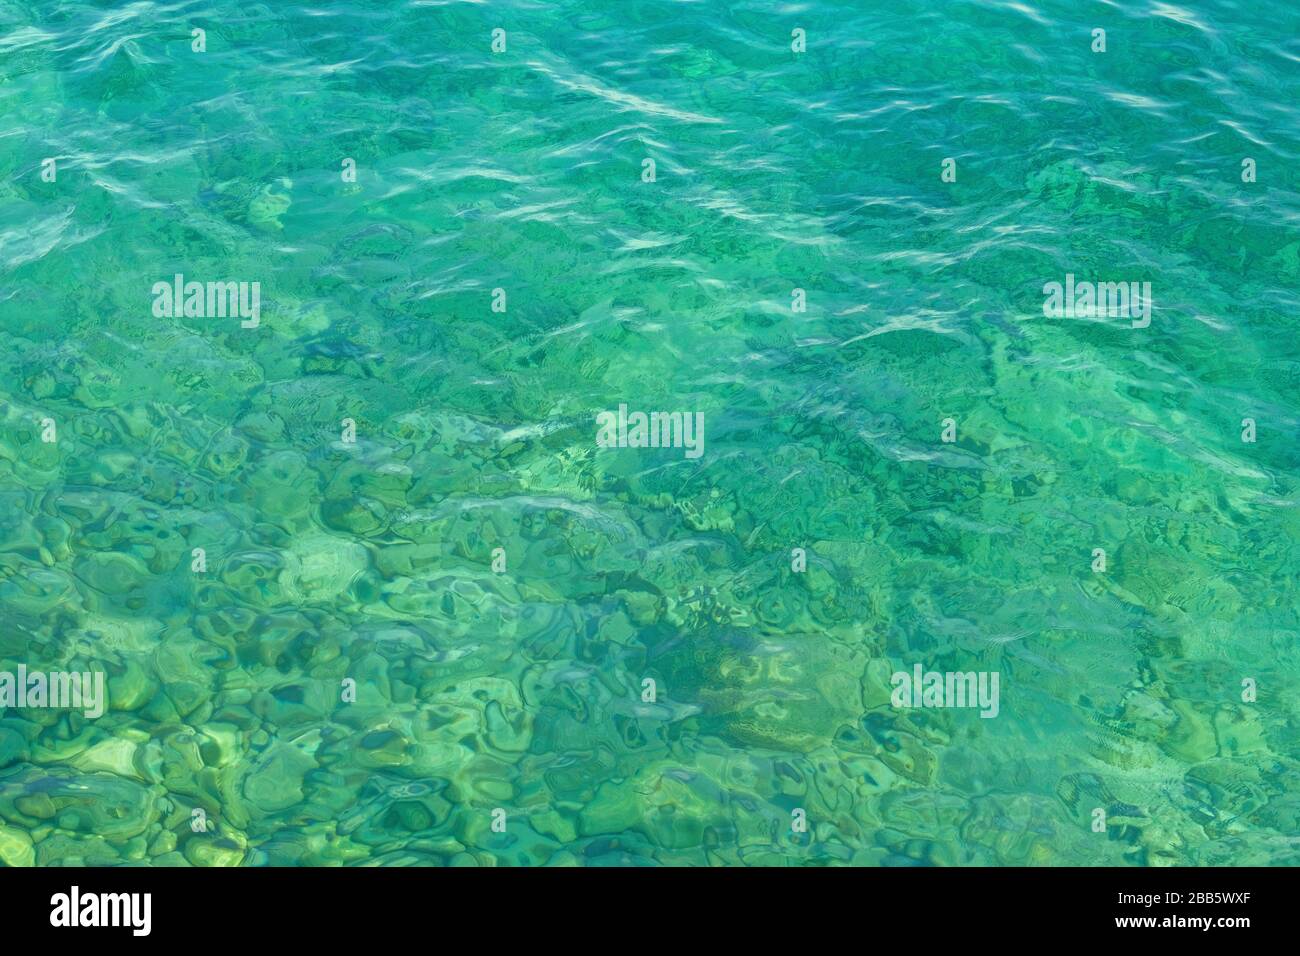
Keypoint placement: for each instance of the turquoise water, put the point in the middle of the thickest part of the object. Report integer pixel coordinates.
(515, 694)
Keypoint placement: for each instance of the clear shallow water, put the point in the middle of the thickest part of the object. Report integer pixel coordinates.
(475, 430)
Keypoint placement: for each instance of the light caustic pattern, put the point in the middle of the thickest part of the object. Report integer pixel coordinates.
(1148, 705)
